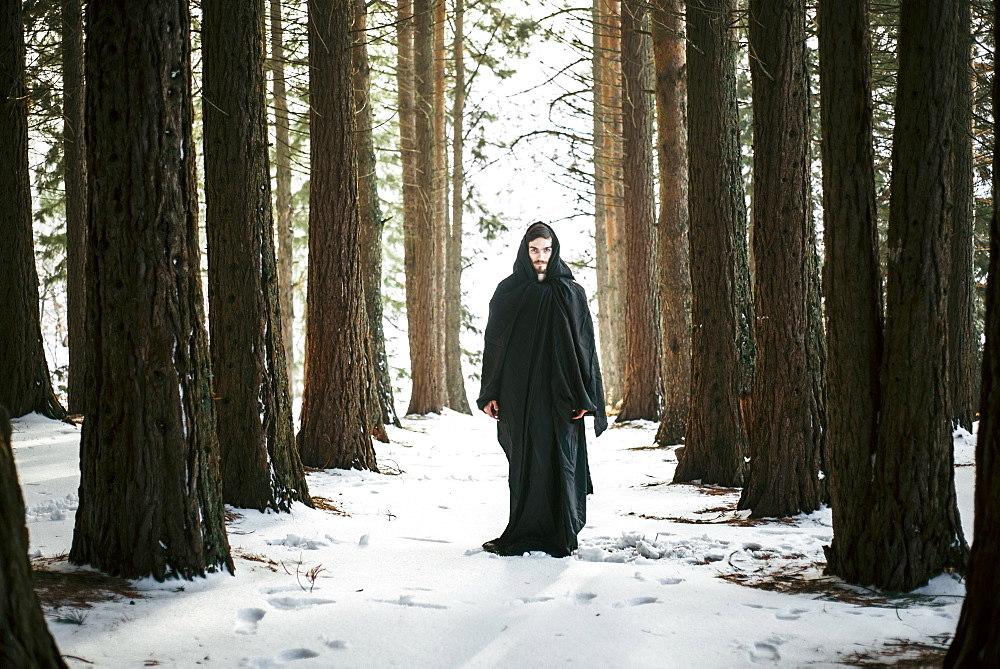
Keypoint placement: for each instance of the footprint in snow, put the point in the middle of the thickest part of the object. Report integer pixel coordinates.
(670, 581)
(274, 590)
(532, 600)
(636, 601)
(296, 654)
(584, 597)
(296, 603)
(790, 614)
(764, 651)
(407, 600)
(281, 658)
(339, 644)
(247, 619)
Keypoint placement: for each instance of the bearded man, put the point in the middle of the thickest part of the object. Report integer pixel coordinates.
(541, 376)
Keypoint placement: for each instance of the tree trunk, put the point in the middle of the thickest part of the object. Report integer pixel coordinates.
(75, 169)
(853, 288)
(721, 311)
(372, 222)
(336, 421)
(608, 193)
(914, 531)
(405, 85)
(150, 489)
(442, 218)
(25, 640)
(641, 398)
(421, 302)
(786, 423)
(260, 462)
(26, 386)
(962, 341)
(458, 399)
(976, 642)
(282, 188)
(673, 270)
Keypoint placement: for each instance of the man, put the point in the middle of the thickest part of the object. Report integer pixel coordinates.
(540, 377)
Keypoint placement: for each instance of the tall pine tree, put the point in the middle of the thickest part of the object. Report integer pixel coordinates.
(260, 462)
(150, 488)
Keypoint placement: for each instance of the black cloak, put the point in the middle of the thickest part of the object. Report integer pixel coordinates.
(540, 364)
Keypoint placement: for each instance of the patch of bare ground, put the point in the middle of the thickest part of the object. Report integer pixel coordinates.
(327, 504)
(256, 557)
(654, 447)
(76, 588)
(703, 488)
(775, 574)
(724, 517)
(902, 653)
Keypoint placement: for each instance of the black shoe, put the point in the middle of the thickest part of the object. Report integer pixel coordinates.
(491, 547)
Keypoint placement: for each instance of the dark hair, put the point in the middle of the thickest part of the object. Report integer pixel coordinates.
(538, 230)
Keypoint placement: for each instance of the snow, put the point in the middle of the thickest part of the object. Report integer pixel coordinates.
(403, 581)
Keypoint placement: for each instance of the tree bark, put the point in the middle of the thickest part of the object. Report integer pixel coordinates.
(458, 399)
(673, 268)
(853, 288)
(962, 342)
(427, 372)
(452, 384)
(75, 170)
(785, 432)
(608, 193)
(150, 488)
(721, 311)
(260, 461)
(641, 399)
(26, 386)
(283, 207)
(25, 640)
(370, 210)
(336, 421)
(914, 531)
(976, 642)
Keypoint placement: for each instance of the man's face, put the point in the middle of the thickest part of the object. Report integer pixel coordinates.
(540, 250)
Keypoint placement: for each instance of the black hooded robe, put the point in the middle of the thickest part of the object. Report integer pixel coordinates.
(540, 364)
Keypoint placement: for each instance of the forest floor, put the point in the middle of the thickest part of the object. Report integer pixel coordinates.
(387, 570)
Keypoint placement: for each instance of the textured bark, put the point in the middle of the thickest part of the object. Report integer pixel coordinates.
(336, 421)
(75, 169)
(721, 311)
(976, 642)
(457, 398)
(405, 84)
(608, 194)
(372, 223)
(26, 385)
(853, 288)
(673, 269)
(785, 431)
(260, 462)
(914, 531)
(426, 361)
(282, 186)
(641, 398)
(150, 488)
(448, 304)
(25, 640)
(962, 341)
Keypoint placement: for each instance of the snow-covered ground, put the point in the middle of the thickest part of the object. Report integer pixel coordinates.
(402, 580)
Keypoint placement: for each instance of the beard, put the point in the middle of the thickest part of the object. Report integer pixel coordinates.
(540, 270)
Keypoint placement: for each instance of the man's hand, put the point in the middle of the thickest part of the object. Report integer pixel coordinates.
(492, 410)
(579, 414)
